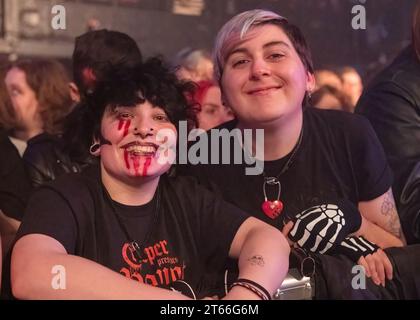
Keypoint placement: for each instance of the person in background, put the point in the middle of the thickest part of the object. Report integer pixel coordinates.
(15, 189)
(352, 84)
(327, 97)
(96, 54)
(38, 90)
(327, 77)
(194, 65)
(15, 186)
(391, 102)
(210, 109)
(125, 229)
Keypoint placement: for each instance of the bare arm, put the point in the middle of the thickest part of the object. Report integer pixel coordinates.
(381, 223)
(263, 254)
(35, 255)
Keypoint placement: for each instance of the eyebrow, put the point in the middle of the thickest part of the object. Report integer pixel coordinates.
(265, 46)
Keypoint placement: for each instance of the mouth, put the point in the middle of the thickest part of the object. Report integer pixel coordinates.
(140, 149)
(263, 90)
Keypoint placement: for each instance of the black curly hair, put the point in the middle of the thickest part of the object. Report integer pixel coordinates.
(152, 81)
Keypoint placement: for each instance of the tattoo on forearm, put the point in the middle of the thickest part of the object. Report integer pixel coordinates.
(257, 261)
(389, 210)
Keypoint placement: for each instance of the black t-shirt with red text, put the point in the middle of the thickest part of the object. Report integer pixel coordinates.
(188, 237)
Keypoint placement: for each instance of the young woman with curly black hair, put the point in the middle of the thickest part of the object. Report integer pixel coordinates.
(129, 217)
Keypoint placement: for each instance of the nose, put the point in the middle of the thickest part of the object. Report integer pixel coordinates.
(144, 128)
(259, 68)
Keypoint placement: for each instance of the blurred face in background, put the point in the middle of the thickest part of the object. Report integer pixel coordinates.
(352, 86)
(213, 112)
(24, 100)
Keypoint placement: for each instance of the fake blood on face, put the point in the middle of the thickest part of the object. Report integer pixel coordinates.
(124, 124)
(146, 165)
(136, 164)
(126, 159)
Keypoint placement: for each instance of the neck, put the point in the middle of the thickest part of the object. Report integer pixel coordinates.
(26, 134)
(280, 137)
(131, 192)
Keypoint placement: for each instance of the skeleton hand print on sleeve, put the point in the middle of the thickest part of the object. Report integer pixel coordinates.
(321, 227)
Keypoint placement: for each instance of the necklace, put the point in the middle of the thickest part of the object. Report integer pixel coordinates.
(272, 209)
(135, 247)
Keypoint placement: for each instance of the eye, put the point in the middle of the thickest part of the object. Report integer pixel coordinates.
(124, 115)
(275, 56)
(210, 109)
(161, 117)
(239, 63)
(14, 92)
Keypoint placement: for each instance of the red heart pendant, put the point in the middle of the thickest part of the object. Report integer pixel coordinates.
(272, 209)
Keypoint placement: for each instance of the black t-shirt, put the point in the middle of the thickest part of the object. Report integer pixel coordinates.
(339, 157)
(14, 183)
(189, 236)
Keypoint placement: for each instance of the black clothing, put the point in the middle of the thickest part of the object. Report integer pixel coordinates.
(188, 236)
(337, 277)
(14, 183)
(391, 102)
(45, 159)
(339, 158)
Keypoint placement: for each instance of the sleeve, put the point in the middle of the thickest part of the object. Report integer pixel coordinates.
(373, 174)
(14, 183)
(393, 113)
(50, 214)
(220, 222)
(395, 116)
(37, 159)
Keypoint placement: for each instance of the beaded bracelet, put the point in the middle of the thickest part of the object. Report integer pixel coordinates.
(259, 290)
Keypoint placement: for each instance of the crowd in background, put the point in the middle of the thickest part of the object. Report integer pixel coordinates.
(40, 103)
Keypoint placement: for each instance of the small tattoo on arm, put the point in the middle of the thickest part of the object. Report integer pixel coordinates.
(389, 210)
(257, 261)
(388, 206)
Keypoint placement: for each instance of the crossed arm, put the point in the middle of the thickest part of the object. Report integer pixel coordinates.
(35, 255)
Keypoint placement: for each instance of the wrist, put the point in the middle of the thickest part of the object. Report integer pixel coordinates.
(241, 293)
(364, 225)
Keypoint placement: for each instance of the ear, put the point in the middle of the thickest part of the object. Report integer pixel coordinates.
(95, 148)
(74, 92)
(310, 82)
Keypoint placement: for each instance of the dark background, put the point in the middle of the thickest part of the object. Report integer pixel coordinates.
(326, 24)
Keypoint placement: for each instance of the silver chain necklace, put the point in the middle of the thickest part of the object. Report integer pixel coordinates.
(272, 209)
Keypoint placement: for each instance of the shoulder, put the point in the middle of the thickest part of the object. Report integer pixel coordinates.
(402, 76)
(10, 156)
(41, 149)
(335, 120)
(76, 185)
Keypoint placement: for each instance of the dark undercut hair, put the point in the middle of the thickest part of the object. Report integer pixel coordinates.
(152, 81)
